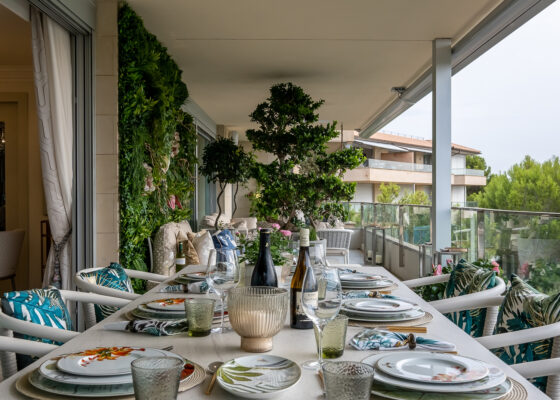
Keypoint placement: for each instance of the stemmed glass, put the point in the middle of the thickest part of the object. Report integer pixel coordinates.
(222, 274)
(321, 302)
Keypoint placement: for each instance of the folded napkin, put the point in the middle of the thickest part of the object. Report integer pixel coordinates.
(194, 287)
(151, 327)
(378, 339)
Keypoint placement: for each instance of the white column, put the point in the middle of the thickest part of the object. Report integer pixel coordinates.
(441, 143)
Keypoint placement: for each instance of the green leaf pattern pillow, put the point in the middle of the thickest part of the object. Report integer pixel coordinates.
(525, 307)
(466, 279)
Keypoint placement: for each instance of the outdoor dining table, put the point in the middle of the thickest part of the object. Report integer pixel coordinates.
(297, 345)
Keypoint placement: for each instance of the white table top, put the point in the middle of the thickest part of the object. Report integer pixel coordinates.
(297, 345)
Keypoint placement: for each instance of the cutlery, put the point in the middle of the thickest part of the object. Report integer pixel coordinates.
(213, 369)
(407, 329)
(168, 348)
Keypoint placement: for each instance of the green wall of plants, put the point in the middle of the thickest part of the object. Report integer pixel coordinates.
(157, 140)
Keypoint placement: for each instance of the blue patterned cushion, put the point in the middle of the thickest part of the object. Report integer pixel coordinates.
(224, 240)
(525, 307)
(40, 306)
(465, 279)
(113, 277)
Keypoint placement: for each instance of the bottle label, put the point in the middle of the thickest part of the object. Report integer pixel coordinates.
(310, 297)
(304, 237)
(180, 261)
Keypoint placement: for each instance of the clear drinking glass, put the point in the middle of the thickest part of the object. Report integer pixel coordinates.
(347, 380)
(323, 308)
(222, 274)
(156, 378)
(333, 337)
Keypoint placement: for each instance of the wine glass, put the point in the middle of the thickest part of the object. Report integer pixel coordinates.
(321, 302)
(318, 257)
(222, 274)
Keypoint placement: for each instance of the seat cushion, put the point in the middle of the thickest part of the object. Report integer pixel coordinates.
(165, 246)
(203, 243)
(44, 307)
(113, 277)
(224, 240)
(466, 279)
(525, 307)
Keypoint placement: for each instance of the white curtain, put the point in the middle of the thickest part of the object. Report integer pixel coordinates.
(52, 64)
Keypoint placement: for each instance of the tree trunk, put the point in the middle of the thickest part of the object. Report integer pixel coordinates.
(222, 188)
(235, 199)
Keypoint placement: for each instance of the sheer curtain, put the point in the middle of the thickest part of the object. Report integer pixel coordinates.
(52, 62)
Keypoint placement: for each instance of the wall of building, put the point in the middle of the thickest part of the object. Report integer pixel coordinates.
(399, 157)
(364, 193)
(458, 161)
(458, 195)
(106, 121)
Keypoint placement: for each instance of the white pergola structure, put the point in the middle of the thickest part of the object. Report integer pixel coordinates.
(369, 59)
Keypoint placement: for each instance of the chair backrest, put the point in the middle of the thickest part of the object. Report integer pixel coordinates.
(336, 238)
(86, 284)
(10, 247)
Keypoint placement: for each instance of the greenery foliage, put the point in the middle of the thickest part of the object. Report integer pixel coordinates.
(529, 186)
(156, 140)
(279, 244)
(477, 162)
(389, 192)
(417, 198)
(302, 176)
(225, 163)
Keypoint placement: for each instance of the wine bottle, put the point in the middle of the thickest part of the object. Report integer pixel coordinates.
(180, 258)
(264, 273)
(298, 318)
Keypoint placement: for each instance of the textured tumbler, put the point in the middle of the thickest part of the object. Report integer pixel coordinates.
(334, 337)
(347, 380)
(200, 315)
(156, 378)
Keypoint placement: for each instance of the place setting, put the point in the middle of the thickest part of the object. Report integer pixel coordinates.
(379, 311)
(411, 375)
(107, 372)
(351, 280)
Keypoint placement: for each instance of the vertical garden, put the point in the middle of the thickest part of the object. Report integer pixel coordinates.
(157, 140)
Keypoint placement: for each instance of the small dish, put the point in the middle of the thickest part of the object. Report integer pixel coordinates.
(378, 305)
(171, 304)
(259, 376)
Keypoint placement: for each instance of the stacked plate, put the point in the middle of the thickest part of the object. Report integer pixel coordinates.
(100, 372)
(359, 280)
(435, 376)
(169, 309)
(381, 310)
(191, 277)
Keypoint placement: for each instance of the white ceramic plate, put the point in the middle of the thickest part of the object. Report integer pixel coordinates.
(358, 277)
(379, 284)
(432, 367)
(495, 378)
(395, 393)
(171, 304)
(173, 313)
(50, 371)
(258, 377)
(79, 391)
(378, 305)
(153, 314)
(405, 316)
(106, 361)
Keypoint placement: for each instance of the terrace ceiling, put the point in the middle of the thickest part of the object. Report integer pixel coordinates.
(350, 53)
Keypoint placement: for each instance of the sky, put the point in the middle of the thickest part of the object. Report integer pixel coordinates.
(507, 102)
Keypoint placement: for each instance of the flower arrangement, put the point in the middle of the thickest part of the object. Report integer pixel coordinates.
(279, 240)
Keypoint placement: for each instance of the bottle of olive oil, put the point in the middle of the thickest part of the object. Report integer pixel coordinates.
(180, 257)
(299, 320)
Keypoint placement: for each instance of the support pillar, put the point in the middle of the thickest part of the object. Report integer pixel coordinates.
(441, 144)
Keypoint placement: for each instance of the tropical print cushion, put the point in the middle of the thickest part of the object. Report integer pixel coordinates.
(466, 279)
(40, 306)
(525, 307)
(224, 240)
(113, 277)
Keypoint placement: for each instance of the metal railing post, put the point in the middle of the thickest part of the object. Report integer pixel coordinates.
(401, 236)
(481, 242)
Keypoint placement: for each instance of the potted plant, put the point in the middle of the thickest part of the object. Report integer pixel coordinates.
(225, 163)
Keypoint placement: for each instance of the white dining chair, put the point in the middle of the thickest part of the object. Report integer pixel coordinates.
(86, 285)
(9, 324)
(532, 369)
(10, 247)
(338, 242)
(448, 305)
(11, 345)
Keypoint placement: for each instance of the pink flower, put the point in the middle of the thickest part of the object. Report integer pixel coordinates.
(171, 201)
(437, 270)
(496, 269)
(494, 263)
(524, 270)
(286, 232)
(275, 226)
(449, 261)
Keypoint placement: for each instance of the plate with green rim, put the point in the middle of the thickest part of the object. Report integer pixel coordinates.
(259, 376)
